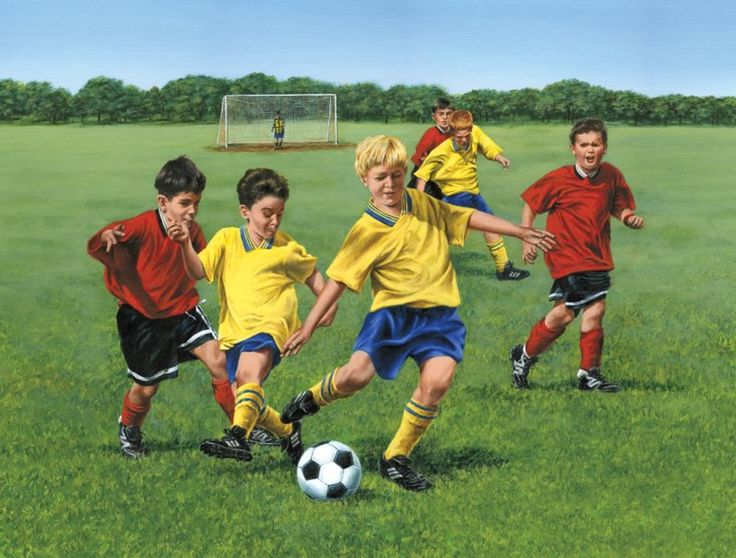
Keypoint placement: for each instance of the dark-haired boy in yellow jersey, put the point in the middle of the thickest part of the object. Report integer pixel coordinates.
(255, 267)
(402, 243)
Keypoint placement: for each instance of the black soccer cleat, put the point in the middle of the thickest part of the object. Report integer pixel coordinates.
(399, 470)
(262, 437)
(592, 379)
(131, 440)
(232, 445)
(292, 444)
(521, 365)
(301, 406)
(510, 273)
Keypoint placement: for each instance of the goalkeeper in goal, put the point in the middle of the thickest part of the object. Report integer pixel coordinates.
(278, 128)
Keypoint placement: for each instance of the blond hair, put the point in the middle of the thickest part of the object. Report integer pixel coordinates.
(379, 150)
(461, 119)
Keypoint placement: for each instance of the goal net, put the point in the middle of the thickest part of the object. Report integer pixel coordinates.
(309, 118)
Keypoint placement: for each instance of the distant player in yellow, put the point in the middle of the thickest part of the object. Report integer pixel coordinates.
(453, 166)
(279, 129)
(255, 267)
(402, 242)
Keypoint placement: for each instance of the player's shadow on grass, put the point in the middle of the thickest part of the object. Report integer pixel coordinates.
(472, 264)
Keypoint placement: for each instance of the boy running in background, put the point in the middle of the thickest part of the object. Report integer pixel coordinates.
(441, 111)
(402, 243)
(579, 200)
(453, 165)
(255, 267)
(159, 320)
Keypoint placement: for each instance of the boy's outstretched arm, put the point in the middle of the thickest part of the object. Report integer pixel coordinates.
(486, 222)
(179, 233)
(528, 251)
(316, 284)
(630, 219)
(326, 299)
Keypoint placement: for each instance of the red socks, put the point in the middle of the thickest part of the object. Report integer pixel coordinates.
(224, 397)
(133, 414)
(540, 338)
(591, 348)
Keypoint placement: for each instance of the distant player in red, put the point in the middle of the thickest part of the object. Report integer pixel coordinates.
(579, 200)
(441, 111)
(159, 320)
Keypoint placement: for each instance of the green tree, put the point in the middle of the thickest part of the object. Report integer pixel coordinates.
(12, 99)
(101, 97)
(632, 107)
(193, 98)
(256, 83)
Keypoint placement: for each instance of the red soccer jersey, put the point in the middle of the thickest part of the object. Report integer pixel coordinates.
(145, 268)
(578, 213)
(431, 139)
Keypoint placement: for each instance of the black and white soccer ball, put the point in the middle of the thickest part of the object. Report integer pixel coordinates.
(329, 471)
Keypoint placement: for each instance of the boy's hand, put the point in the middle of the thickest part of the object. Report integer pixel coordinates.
(110, 236)
(537, 238)
(329, 316)
(634, 221)
(528, 253)
(296, 341)
(179, 232)
(503, 161)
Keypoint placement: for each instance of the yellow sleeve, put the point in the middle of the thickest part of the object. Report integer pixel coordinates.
(456, 220)
(299, 264)
(353, 263)
(212, 255)
(430, 165)
(486, 145)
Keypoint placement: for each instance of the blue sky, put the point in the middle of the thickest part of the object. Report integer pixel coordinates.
(649, 46)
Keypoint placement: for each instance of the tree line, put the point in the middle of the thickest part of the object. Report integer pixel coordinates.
(105, 100)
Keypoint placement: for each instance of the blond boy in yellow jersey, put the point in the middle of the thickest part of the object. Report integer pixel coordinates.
(453, 166)
(402, 243)
(255, 267)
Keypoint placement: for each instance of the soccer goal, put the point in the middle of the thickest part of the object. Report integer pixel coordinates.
(308, 118)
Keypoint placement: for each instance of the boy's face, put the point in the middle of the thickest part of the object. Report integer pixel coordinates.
(386, 185)
(588, 150)
(462, 137)
(264, 217)
(182, 208)
(441, 117)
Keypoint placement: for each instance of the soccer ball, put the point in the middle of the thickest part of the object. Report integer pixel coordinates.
(329, 471)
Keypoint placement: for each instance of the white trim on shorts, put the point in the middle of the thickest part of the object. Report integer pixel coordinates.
(575, 304)
(199, 334)
(156, 376)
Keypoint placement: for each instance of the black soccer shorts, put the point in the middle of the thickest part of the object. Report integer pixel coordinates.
(153, 349)
(580, 289)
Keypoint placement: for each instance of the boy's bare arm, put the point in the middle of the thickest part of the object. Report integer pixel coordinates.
(503, 161)
(326, 299)
(179, 233)
(486, 222)
(630, 219)
(316, 284)
(528, 251)
(421, 184)
(109, 237)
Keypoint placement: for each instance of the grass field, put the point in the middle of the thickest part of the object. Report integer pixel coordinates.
(548, 472)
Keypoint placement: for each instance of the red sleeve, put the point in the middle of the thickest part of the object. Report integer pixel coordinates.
(542, 195)
(425, 145)
(623, 197)
(97, 249)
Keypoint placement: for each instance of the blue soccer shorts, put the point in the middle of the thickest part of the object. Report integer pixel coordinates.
(391, 335)
(466, 199)
(580, 289)
(252, 344)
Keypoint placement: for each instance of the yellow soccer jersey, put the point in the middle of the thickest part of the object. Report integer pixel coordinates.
(407, 258)
(457, 171)
(256, 283)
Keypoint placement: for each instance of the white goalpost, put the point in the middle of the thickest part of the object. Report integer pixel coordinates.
(308, 118)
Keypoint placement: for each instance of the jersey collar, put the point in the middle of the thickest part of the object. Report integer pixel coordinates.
(386, 218)
(162, 222)
(248, 243)
(582, 174)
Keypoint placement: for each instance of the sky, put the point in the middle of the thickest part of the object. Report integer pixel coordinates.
(652, 47)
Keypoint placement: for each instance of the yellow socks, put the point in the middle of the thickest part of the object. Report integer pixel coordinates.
(271, 421)
(325, 392)
(498, 253)
(250, 400)
(415, 421)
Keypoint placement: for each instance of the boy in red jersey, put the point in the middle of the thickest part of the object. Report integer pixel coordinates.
(159, 320)
(441, 111)
(579, 200)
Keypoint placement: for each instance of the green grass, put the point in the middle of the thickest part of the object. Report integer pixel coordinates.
(548, 472)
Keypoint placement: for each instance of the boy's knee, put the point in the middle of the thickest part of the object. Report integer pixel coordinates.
(355, 375)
